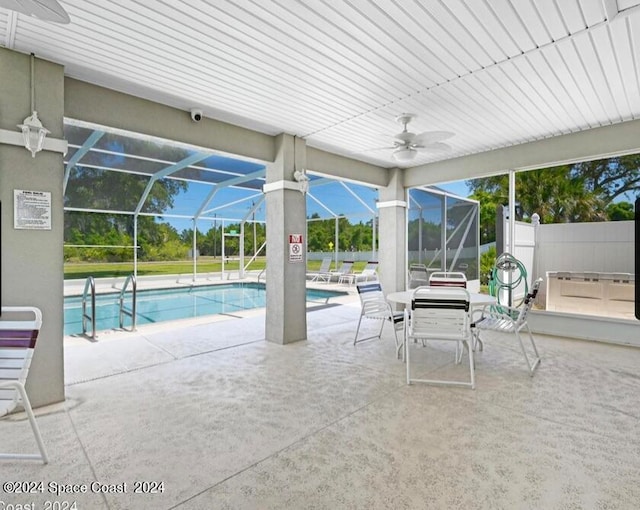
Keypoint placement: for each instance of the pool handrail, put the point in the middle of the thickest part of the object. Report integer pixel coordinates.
(131, 313)
(89, 284)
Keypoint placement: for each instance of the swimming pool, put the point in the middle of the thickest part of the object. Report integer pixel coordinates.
(177, 303)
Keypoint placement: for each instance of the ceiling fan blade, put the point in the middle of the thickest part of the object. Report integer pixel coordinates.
(405, 137)
(381, 148)
(432, 136)
(46, 10)
(432, 147)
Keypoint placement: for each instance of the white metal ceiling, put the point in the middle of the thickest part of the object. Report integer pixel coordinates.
(494, 72)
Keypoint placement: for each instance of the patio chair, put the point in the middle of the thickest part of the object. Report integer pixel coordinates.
(343, 272)
(440, 314)
(418, 276)
(375, 306)
(448, 279)
(370, 272)
(17, 342)
(504, 319)
(324, 273)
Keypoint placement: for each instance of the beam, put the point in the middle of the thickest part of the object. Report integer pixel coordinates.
(340, 167)
(180, 165)
(598, 143)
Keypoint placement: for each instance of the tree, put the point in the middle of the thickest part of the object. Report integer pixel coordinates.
(91, 187)
(488, 204)
(611, 178)
(558, 195)
(620, 211)
(569, 193)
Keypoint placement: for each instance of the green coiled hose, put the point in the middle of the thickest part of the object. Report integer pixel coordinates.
(507, 263)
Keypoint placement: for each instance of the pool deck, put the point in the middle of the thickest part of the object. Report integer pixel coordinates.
(225, 419)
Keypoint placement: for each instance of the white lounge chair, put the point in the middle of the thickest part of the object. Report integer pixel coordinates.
(343, 271)
(324, 273)
(370, 272)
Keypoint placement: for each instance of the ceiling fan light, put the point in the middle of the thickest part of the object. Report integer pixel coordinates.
(404, 154)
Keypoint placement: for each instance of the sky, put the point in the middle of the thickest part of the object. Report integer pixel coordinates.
(333, 196)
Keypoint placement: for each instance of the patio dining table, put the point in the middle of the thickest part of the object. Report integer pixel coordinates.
(475, 298)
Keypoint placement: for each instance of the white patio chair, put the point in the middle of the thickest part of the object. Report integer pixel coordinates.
(370, 272)
(343, 271)
(448, 279)
(439, 314)
(418, 276)
(504, 319)
(375, 306)
(17, 342)
(324, 273)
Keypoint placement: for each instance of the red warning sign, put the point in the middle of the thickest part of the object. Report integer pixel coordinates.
(295, 247)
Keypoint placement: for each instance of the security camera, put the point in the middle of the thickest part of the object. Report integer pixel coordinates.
(196, 115)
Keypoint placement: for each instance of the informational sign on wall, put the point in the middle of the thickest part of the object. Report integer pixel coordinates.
(295, 247)
(31, 210)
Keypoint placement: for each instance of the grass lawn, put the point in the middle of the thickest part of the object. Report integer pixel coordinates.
(80, 270)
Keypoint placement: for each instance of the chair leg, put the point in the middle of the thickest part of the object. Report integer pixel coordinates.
(34, 427)
(398, 344)
(472, 377)
(379, 335)
(355, 340)
(524, 351)
(459, 352)
(472, 365)
(533, 344)
(537, 360)
(407, 360)
(477, 341)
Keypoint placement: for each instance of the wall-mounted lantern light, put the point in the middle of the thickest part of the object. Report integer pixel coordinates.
(33, 133)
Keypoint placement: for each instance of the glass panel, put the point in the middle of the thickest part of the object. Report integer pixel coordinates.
(439, 244)
(142, 148)
(121, 162)
(424, 236)
(462, 237)
(90, 188)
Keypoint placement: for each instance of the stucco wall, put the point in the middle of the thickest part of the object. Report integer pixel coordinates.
(32, 260)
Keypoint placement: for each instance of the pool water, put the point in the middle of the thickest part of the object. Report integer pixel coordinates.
(178, 303)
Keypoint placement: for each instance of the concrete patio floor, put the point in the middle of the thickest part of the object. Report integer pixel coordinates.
(226, 420)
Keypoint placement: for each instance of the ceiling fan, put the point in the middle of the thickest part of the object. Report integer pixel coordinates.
(406, 144)
(46, 10)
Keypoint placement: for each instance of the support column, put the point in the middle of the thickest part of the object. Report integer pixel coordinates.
(32, 259)
(286, 314)
(392, 255)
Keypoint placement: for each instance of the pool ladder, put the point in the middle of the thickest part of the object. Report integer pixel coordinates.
(89, 285)
(131, 279)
